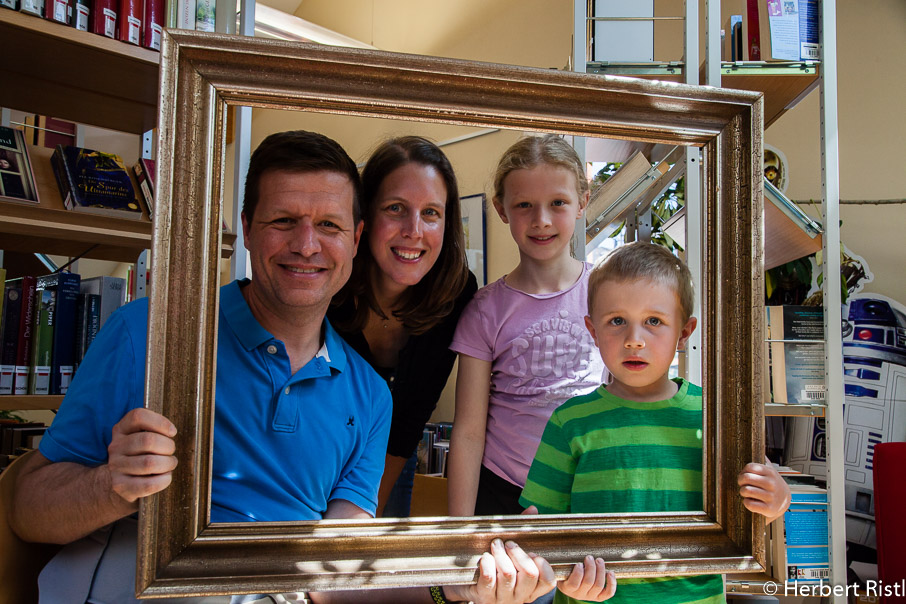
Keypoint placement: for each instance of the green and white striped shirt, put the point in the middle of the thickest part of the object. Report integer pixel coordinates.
(600, 453)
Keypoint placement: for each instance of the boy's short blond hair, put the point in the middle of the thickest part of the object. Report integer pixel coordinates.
(640, 260)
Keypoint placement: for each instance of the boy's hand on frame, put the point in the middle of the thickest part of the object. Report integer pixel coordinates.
(590, 581)
(763, 491)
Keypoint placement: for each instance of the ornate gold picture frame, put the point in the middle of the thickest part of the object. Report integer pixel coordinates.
(181, 552)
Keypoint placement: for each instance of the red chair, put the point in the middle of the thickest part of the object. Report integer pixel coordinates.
(890, 516)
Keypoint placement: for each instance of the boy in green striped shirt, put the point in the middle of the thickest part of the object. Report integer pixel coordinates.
(634, 445)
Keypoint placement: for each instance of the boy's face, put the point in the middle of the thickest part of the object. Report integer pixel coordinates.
(638, 326)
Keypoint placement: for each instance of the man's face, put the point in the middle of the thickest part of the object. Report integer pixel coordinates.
(301, 240)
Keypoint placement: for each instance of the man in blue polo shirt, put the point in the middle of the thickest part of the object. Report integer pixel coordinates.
(301, 421)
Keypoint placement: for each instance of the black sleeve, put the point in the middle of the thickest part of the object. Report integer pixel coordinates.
(425, 365)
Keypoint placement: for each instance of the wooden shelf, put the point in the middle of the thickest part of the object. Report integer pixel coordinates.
(784, 410)
(30, 402)
(49, 228)
(51, 69)
(784, 84)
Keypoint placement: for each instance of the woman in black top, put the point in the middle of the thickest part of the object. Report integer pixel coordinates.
(410, 282)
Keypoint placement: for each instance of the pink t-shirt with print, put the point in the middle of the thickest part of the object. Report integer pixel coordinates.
(541, 354)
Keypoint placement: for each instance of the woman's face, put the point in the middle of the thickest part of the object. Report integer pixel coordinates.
(406, 226)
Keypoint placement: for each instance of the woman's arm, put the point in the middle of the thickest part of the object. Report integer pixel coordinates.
(393, 467)
(473, 386)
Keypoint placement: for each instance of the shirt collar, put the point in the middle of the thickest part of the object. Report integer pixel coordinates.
(251, 334)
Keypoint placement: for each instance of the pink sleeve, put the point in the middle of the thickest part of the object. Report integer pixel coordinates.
(472, 336)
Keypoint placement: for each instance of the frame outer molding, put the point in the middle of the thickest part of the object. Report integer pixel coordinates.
(181, 553)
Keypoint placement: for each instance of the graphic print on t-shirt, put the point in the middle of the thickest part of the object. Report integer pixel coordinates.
(550, 360)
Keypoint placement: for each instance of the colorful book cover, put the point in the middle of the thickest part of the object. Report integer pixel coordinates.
(42, 345)
(205, 15)
(103, 18)
(66, 286)
(801, 539)
(95, 182)
(17, 179)
(9, 335)
(152, 24)
(26, 335)
(129, 28)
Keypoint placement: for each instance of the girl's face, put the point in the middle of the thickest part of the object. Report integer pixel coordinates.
(406, 228)
(541, 205)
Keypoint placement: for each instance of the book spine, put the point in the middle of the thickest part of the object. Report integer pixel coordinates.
(9, 340)
(81, 328)
(63, 358)
(64, 178)
(42, 355)
(94, 319)
(204, 15)
(26, 335)
(129, 28)
(33, 7)
(152, 24)
(103, 18)
(81, 12)
(57, 10)
(185, 14)
(753, 33)
(144, 186)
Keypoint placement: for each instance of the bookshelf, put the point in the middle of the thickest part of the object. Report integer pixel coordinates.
(76, 75)
(89, 79)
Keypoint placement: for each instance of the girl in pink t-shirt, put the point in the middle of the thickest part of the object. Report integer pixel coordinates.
(522, 342)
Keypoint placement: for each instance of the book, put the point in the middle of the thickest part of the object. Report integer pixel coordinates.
(751, 29)
(205, 15)
(144, 175)
(57, 10)
(152, 24)
(13, 4)
(185, 14)
(62, 366)
(26, 333)
(103, 16)
(112, 291)
(796, 335)
(32, 7)
(48, 132)
(88, 323)
(17, 178)
(81, 11)
(95, 182)
(800, 538)
(9, 334)
(789, 30)
(129, 21)
(42, 345)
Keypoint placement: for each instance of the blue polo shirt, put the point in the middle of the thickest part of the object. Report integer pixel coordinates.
(284, 444)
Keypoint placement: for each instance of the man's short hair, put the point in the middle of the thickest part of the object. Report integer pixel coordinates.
(299, 151)
(644, 261)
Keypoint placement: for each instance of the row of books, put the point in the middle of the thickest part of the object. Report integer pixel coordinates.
(138, 22)
(434, 449)
(772, 30)
(46, 326)
(89, 180)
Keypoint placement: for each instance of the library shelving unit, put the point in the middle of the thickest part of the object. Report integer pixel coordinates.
(52, 69)
(784, 84)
